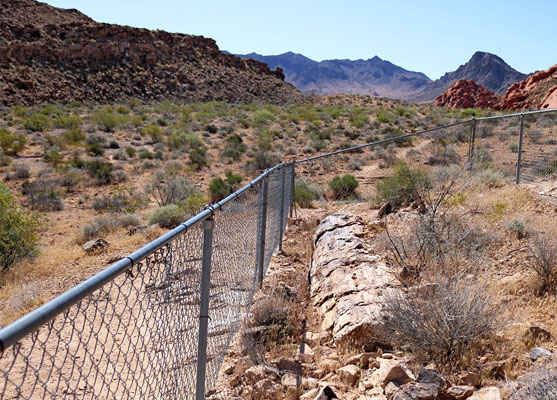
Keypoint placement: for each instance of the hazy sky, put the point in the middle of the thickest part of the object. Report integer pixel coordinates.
(433, 37)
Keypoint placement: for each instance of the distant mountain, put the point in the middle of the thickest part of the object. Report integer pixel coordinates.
(382, 78)
(487, 70)
(374, 76)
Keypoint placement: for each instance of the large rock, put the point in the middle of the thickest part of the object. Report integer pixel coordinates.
(391, 370)
(538, 91)
(428, 386)
(349, 374)
(467, 94)
(459, 392)
(348, 282)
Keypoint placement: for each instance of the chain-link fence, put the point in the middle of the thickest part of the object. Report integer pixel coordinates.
(158, 323)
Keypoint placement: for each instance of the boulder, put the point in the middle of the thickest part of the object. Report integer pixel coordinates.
(538, 352)
(349, 374)
(260, 372)
(267, 389)
(96, 246)
(458, 392)
(428, 386)
(325, 393)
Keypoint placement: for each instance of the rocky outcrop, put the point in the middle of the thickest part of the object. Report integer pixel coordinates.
(347, 282)
(467, 94)
(538, 91)
(50, 54)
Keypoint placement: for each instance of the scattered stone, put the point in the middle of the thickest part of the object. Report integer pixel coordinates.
(286, 364)
(538, 352)
(386, 208)
(458, 392)
(391, 370)
(471, 379)
(305, 353)
(289, 380)
(96, 246)
(309, 395)
(391, 389)
(325, 393)
(258, 373)
(349, 374)
(387, 356)
(315, 339)
(487, 393)
(267, 389)
(427, 387)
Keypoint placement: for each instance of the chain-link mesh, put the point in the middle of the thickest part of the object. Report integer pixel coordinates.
(137, 336)
(539, 147)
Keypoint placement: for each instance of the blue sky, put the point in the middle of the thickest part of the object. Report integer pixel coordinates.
(432, 37)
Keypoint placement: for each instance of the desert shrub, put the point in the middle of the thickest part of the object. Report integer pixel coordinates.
(167, 216)
(107, 120)
(198, 157)
(145, 154)
(154, 131)
(440, 321)
(73, 136)
(130, 220)
(234, 147)
(21, 172)
(194, 203)
(516, 226)
(233, 179)
(52, 156)
(4, 160)
(36, 122)
(166, 189)
(513, 147)
(11, 143)
(344, 187)
(130, 151)
(122, 110)
(125, 199)
(66, 121)
(211, 128)
(70, 178)
(43, 195)
(119, 155)
(305, 192)
(218, 190)
(383, 115)
(100, 227)
(400, 188)
(262, 116)
(355, 165)
(113, 144)
(101, 170)
(18, 230)
(443, 155)
(490, 177)
(543, 261)
(94, 145)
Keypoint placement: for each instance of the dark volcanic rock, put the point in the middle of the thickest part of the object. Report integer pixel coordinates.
(50, 54)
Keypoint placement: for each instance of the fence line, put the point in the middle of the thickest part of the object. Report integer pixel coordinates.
(158, 322)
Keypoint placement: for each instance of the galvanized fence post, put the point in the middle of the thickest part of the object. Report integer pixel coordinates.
(281, 211)
(263, 227)
(472, 142)
(208, 226)
(292, 189)
(520, 138)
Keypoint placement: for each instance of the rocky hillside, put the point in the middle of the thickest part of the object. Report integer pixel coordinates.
(50, 54)
(537, 92)
(467, 94)
(374, 77)
(486, 69)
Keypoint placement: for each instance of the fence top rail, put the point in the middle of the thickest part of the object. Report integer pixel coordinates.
(32, 321)
(516, 114)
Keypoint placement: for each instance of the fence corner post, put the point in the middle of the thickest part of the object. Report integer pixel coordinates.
(519, 159)
(208, 226)
(264, 200)
(281, 210)
(472, 143)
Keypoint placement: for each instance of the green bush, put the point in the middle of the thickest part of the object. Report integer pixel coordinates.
(194, 203)
(107, 121)
(154, 131)
(167, 216)
(52, 156)
(262, 116)
(166, 189)
(344, 187)
(73, 136)
(233, 179)
(100, 170)
(36, 122)
(11, 143)
(400, 188)
(218, 190)
(305, 192)
(130, 151)
(18, 227)
(234, 147)
(128, 220)
(198, 157)
(4, 160)
(66, 121)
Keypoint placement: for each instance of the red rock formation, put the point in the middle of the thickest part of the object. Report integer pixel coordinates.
(50, 54)
(467, 94)
(538, 91)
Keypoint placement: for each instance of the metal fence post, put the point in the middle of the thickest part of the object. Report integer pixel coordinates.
(292, 189)
(520, 137)
(208, 226)
(281, 211)
(472, 142)
(263, 227)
